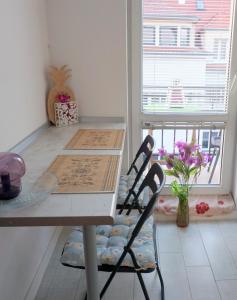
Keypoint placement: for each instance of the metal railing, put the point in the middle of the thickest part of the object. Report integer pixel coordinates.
(210, 141)
(189, 98)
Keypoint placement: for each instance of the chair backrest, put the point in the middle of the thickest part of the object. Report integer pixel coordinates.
(149, 181)
(145, 150)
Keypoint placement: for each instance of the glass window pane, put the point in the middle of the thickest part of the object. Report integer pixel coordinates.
(168, 36)
(149, 35)
(204, 38)
(184, 37)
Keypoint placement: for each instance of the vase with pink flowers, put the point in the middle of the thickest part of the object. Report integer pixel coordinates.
(185, 165)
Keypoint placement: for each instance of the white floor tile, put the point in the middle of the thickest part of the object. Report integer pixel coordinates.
(192, 246)
(221, 261)
(175, 276)
(228, 289)
(229, 230)
(202, 284)
(168, 238)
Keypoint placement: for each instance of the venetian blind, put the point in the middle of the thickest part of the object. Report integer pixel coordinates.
(186, 54)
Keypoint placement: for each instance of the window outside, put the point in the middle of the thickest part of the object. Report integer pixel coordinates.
(149, 34)
(168, 36)
(185, 73)
(185, 37)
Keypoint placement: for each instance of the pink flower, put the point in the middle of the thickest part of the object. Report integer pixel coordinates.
(63, 98)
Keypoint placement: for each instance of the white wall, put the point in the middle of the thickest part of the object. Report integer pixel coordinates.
(90, 36)
(23, 60)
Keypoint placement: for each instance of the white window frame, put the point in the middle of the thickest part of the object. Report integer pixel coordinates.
(138, 118)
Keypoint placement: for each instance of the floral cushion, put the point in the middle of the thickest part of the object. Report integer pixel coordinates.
(110, 242)
(125, 183)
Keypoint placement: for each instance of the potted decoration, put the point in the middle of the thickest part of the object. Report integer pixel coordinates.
(185, 165)
(61, 106)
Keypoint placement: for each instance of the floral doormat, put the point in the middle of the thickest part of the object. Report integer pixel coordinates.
(201, 206)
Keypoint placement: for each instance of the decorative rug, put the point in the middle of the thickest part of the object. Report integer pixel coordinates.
(96, 139)
(203, 206)
(84, 173)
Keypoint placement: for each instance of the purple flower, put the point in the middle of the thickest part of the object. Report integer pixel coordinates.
(171, 155)
(207, 158)
(162, 152)
(198, 161)
(190, 161)
(181, 157)
(169, 165)
(180, 145)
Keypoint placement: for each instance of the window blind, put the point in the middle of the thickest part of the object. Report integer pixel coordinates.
(186, 55)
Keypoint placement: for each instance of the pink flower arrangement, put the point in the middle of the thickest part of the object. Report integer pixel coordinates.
(63, 98)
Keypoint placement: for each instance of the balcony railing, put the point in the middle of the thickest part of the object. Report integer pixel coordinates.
(184, 99)
(210, 141)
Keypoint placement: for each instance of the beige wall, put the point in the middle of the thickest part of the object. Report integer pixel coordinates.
(23, 60)
(90, 36)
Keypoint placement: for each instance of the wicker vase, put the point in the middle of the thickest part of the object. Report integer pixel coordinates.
(183, 213)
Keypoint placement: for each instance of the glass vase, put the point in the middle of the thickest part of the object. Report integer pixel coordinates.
(183, 213)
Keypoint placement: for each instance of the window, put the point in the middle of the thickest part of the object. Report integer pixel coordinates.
(149, 35)
(168, 36)
(185, 90)
(184, 37)
(200, 4)
(220, 49)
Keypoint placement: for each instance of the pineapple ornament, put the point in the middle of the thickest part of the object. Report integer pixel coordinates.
(60, 92)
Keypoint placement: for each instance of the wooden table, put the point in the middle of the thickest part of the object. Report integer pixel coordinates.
(87, 210)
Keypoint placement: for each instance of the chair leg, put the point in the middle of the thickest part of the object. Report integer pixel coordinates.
(157, 266)
(161, 282)
(112, 274)
(139, 275)
(85, 297)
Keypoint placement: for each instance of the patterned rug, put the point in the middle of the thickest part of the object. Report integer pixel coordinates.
(199, 206)
(96, 139)
(84, 173)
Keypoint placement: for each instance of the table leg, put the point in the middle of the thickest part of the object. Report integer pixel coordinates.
(89, 235)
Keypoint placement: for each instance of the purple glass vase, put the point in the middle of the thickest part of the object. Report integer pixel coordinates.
(12, 168)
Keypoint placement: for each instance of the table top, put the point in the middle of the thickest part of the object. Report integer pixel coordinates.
(41, 207)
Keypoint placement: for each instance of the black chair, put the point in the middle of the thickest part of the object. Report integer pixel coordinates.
(144, 153)
(143, 230)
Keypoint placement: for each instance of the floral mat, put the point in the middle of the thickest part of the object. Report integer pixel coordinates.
(201, 206)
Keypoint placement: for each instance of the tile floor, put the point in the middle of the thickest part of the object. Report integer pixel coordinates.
(198, 263)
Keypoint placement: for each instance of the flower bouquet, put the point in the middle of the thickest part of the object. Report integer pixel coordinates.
(185, 165)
